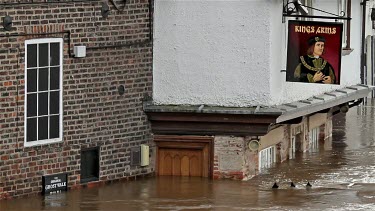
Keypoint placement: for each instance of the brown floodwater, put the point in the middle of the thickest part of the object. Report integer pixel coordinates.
(342, 177)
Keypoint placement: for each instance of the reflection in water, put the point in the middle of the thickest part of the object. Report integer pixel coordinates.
(54, 201)
(339, 131)
(342, 179)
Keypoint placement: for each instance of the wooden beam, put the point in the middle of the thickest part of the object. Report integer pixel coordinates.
(199, 117)
(208, 128)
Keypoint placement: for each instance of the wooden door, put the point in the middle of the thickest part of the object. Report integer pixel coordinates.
(184, 155)
(181, 162)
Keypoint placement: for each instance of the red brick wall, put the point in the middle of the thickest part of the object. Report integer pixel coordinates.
(229, 157)
(94, 113)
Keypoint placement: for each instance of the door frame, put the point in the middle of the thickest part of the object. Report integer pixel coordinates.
(205, 143)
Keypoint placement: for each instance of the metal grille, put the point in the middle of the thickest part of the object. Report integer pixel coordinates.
(135, 156)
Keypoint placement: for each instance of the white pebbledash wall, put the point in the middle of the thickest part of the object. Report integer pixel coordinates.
(230, 53)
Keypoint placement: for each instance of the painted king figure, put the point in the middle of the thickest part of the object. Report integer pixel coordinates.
(312, 68)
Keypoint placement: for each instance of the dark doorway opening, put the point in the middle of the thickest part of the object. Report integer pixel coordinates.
(89, 165)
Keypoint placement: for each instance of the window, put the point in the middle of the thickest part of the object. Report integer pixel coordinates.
(43, 91)
(267, 157)
(309, 5)
(292, 148)
(314, 140)
(342, 9)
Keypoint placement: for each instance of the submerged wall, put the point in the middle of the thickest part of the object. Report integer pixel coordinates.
(234, 159)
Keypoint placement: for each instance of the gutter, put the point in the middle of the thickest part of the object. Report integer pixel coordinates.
(325, 101)
(280, 113)
(246, 121)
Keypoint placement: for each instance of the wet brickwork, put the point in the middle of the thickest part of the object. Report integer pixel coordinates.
(95, 114)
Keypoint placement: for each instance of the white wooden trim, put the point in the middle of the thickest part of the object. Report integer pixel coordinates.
(342, 6)
(292, 148)
(314, 140)
(267, 157)
(60, 138)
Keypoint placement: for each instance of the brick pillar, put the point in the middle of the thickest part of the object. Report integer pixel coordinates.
(229, 157)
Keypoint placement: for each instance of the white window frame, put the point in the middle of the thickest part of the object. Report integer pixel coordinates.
(292, 148)
(342, 6)
(310, 4)
(60, 138)
(314, 139)
(267, 157)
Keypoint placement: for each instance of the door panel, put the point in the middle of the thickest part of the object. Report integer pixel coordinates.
(176, 168)
(185, 166)
(167, 168)
(195, 167)
(180, 162)
(184, 155)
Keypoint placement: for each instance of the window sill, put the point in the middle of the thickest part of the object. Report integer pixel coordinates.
(42, 142)
(347, 51)
(89, 179)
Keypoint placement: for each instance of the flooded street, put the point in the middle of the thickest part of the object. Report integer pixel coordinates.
(342, 178)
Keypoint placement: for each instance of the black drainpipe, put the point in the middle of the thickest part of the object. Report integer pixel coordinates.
(363, 55)
(348, 14)
(71, 55)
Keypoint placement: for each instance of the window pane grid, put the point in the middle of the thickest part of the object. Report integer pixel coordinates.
(44, 116)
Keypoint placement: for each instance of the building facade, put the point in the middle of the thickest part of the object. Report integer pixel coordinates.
(77, 78)
(73, 78)
(219, 76)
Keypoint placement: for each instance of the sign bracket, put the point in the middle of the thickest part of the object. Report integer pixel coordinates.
(298, 10)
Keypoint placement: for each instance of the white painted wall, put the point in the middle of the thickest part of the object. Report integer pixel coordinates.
(277, 53)
(230, 53)
(212, 52)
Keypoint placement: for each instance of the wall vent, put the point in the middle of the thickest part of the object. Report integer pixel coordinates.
(135, 156)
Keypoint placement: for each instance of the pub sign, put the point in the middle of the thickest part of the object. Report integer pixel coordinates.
(314, 52)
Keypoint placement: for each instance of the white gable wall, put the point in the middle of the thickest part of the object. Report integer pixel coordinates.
(230, 53)
(212, 52)
(277, 53)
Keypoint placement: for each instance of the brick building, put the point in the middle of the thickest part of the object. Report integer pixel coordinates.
(69, 109)
(76, 76)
